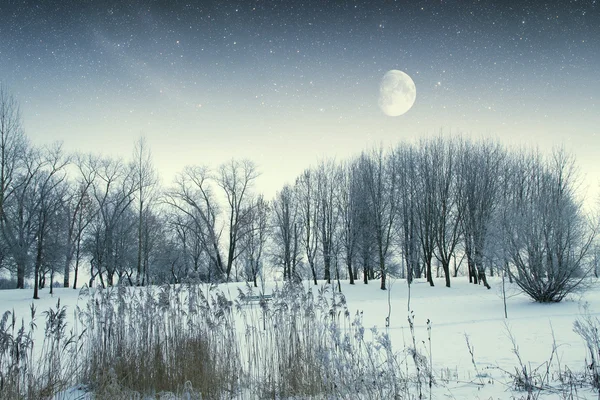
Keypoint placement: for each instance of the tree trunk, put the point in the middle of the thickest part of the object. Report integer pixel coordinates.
(139, 279)
(428, 272)
(21, 275)
(76, 265)
(36, 277)
(446, 267)
(327, 261)
(472, 271)
(52, 281)
(418, 270)
(314, 271)
(67, 269)
(350, 271)
(482, 278)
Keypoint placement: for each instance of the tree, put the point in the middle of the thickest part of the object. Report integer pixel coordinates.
(366, 242)
(310, 213)
(407, 229)
(193, 196)
(546, 234)
(20, 215)
(145, 180)
(426, 207)
(254, 239)
(480, 166)
(13, 143)
(327, 188)
(112, 191)
(447, 215)
(236, 179)
(78, 212)
(380, 185)
(349, 206)
(13, 146)
(194, 199)
(286, 232)
(48, 198)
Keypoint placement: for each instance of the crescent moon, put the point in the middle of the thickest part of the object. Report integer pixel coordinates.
(397, 93)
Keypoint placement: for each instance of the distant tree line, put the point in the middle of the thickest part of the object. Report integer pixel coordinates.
(441, 207)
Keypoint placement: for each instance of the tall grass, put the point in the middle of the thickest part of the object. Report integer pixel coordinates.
(175, 339)
(30, 373)
(158, 340)
(308, 344)
(192, 341)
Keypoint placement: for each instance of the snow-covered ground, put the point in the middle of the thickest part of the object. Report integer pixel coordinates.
(455, 312)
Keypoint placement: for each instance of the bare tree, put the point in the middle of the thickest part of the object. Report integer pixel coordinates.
(193, 197)
(426, 207)
(13, 147)
(547, 236)
(20, 215)
(328, 179)
(366, 242)
(236, 179)
(254, 239)
(348, 204)
(309, 211)
(480, 167)
(113, 192)
(79, 211)
(286, 232)
(447, 215)
(406, 157)
(48, 198)
(381, 187)
(145, 180)
(191, 241)
(13, 143)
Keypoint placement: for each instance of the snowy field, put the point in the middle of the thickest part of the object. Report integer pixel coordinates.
(454, 313)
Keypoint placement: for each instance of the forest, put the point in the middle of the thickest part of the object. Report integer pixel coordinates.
(436, 207)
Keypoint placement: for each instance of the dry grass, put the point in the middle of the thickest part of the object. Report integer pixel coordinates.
(192, 342)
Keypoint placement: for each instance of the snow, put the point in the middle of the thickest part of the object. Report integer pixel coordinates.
(464, 309)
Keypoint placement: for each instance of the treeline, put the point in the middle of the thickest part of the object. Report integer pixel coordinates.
(415, 211)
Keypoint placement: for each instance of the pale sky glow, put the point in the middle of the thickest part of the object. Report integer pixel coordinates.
(286, 85)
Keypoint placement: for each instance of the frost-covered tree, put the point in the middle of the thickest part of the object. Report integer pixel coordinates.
(447, 214)
(480, 172)
(546, 233)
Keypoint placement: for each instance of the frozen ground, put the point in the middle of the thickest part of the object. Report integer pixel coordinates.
(454, 312)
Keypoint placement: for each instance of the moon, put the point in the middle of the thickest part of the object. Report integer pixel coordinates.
(397, 93)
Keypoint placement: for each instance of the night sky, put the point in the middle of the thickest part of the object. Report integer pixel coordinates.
(287, 83)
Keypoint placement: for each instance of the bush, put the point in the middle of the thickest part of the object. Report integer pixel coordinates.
(547, 237)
